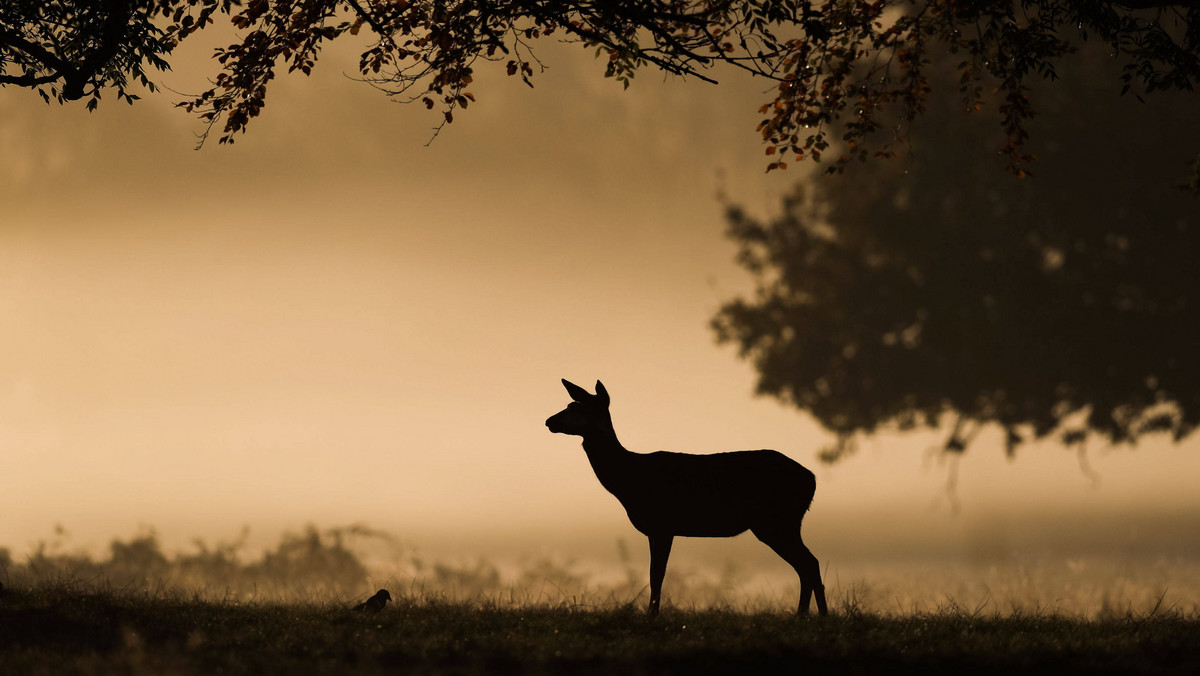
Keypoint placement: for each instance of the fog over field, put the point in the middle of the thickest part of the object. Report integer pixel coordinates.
(329, 323)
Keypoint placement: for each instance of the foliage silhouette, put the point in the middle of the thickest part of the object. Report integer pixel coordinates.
(1090, 582)
(226, 570)
(914, 292)
(719, 495)
(839, 71)
(74, 50)
(302, 564)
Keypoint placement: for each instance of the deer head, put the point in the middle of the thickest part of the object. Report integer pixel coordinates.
(587, 413)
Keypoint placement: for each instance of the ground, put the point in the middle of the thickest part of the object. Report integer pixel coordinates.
(68, 628)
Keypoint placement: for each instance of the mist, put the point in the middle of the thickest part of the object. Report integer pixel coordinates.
(332, 323)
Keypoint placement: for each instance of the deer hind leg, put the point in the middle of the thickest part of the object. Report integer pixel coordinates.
(660, 551)
(786, 542)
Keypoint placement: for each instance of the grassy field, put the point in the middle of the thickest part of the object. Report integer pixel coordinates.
(68, 628)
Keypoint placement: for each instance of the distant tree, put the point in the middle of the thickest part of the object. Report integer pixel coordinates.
(839, 67)
(138, 562)
(313, 559)
(924, 292)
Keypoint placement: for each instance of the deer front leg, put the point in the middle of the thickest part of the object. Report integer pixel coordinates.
(660, 550)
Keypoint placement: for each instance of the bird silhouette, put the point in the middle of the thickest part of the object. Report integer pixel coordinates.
(375, 603)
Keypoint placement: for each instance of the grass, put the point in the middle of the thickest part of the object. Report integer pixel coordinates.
(65, 628)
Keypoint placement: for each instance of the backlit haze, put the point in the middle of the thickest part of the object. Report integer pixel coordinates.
(329, 322)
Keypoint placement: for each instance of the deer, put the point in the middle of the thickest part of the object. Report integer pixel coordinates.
(667, 494)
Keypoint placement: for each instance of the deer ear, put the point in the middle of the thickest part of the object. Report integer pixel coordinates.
(601, 393)
(577, 393)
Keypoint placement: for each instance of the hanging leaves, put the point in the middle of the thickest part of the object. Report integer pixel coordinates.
(838, 68)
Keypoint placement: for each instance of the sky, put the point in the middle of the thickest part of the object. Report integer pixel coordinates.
(338, 320)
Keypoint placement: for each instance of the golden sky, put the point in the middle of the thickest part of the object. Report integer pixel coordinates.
(331, 322)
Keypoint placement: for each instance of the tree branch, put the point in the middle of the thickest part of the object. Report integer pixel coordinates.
(27, 80)
(74, 76)
(367, 17)
(16, 40)
(111, 39)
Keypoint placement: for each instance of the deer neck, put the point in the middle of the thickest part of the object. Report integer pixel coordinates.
(608, 458)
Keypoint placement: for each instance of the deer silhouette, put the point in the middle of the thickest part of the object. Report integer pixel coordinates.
(719, 495)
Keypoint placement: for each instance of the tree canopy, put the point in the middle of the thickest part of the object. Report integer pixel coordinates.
(75, 50)
(925, 292)
(839, 68)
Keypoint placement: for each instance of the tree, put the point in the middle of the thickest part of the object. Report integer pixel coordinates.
(840, 67)
(75, 50)
(925, 292)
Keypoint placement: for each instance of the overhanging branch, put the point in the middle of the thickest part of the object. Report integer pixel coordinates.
(109, 42)
(27, 80)
(14, 40)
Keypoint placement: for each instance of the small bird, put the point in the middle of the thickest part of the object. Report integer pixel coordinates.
(375, 603)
